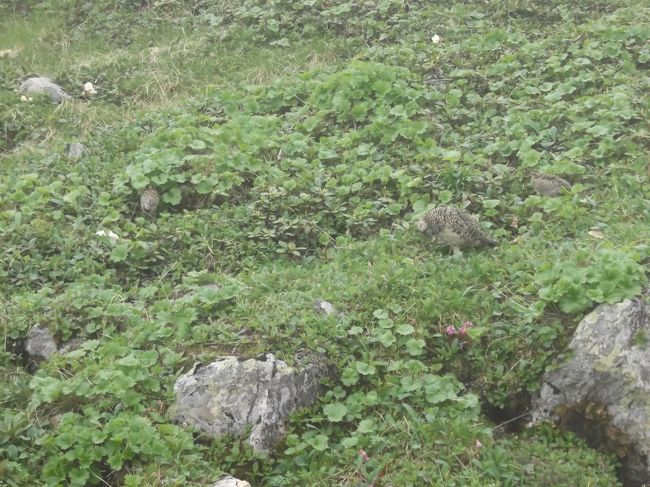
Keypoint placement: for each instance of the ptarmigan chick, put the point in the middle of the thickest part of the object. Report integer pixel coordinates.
(149, 201)
(549, 184)
(452, 226)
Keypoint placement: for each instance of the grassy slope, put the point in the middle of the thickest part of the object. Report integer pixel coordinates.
(556, 87)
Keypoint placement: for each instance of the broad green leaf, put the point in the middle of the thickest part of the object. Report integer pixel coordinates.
(365, 368)
(120, 252)
(140, 181)
(197, 144)
(335, 412)
(415, 346)
(445, 196)
(173, 196)
(380, 314)
(350, 442)
(349, 376)
(405, 329)
(318, 442)
(385, 337)
(367, 426)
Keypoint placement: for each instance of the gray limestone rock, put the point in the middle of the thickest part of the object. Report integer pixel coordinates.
(75, 150)
(40, 342)
(230, 481)
(229, 395)
(603, 391)
(44, 85)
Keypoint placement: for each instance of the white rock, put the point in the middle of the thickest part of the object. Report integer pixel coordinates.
(40, 342)
(229, 481)
(44, 85)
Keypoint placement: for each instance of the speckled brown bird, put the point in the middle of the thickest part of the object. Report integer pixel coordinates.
(149, 201)
(548, 184)
(451, 226)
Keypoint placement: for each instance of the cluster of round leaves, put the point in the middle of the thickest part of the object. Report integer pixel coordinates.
(606, 276)
(357, 149)
(112, 394)
(286, 152)
(277, 21)
(106, 391)
(378, 397)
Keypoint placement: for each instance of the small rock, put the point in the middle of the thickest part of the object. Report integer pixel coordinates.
(40, 342)
(231, 395)
(75, 150)
(44, 85)
(324, 307)
(230, 481)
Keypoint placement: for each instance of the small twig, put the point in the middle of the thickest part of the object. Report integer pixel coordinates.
(103, 481)
(527, 413)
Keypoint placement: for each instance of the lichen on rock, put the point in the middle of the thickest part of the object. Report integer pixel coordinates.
(603, 391)
(230, 395)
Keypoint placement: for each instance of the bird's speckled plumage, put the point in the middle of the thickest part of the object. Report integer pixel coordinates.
(149, 201)
(548, 184)
(452, 226)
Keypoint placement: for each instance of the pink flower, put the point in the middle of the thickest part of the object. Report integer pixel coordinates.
(364, 456)
(478, 444)
(451, 330)
(465, 328)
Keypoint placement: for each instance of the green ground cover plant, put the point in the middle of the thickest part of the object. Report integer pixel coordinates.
(294, 143)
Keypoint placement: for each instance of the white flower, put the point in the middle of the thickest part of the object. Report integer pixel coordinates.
(103, 233)
(24, 98)
(89, 89)
(435, 39)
